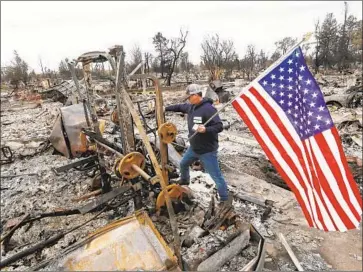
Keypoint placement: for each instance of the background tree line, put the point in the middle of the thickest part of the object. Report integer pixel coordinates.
(336, 46)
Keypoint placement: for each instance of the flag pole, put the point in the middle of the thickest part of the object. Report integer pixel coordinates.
(268, 70)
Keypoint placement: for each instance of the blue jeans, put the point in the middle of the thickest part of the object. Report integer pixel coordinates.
(210, 164)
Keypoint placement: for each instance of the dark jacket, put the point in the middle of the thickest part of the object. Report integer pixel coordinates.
(198, 114)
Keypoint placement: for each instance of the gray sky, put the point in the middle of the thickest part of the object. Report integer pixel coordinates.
(57, 30)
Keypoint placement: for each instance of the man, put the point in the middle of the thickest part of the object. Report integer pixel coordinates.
(204, 144)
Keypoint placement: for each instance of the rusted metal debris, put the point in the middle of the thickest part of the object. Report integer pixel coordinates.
(62, 92)
(94, 57)
(72, 144)
(82, 165)
(131, 243)
(65, 136)
(351, 98)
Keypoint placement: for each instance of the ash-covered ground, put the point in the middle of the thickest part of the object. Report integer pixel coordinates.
(28, 185)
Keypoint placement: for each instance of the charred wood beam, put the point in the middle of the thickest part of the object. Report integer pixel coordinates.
(7, 236)
(218, 259)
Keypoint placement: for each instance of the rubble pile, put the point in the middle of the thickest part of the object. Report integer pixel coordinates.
(30, 186)
(25, 128)
(205, 243)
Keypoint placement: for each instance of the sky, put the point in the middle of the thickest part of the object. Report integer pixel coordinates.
(57, 30)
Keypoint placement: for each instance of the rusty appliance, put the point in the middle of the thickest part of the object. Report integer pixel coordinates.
(128, 244)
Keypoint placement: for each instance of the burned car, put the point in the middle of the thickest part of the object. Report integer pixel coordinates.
(351, 98)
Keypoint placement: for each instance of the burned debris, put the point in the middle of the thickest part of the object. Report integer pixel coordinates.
(87, 178)
(133, 162)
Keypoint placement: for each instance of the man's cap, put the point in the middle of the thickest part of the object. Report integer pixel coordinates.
(192, 89)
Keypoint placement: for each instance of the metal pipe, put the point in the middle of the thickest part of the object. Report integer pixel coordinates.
(109, 148)
(142, 173)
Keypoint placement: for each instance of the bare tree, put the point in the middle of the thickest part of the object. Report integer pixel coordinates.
(230, 66)
(217, 54)
(349, 48)
(161, 47)
(343, 50)
(64, 71)
(243, 64)
(41, 66)
(185, 64)
(136, 57)
(355, 37)
(32, 76)
(262, 60)
(155, 65)
(175, 49)
(18, 71)
(275, 56)
(66, 74)
(317, 46)
(251, 59)
(306, 49)
(285, 44)
(328, 40)
(148, 57)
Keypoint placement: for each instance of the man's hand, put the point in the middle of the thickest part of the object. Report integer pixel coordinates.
(201, 129)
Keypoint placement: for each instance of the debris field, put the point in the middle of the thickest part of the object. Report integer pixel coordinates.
(262, 201)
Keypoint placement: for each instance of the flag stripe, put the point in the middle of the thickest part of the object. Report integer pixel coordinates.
(343, 161)
(333, 216)
(330, 186)
(285, 110)
(329, 214)
(340, 181)
(278, 127)
(331, 210)
(270, 153)
(277, 138)
(341, 214)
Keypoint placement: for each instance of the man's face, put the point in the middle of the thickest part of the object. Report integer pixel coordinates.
(194, 99)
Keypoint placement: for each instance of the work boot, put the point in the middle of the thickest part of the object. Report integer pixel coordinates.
(226, 203)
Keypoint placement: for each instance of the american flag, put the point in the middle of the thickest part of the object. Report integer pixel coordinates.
(286, 112)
